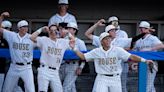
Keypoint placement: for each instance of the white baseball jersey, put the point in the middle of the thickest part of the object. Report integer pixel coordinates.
(107, 62)
(121, 34)
(148, 42)
(145, 45)
(52, 52)
(21, 48)
(58, 19)
(120, 42)
(21, 51)
(80, 45)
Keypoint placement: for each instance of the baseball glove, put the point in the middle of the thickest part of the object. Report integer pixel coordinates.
(152, 66)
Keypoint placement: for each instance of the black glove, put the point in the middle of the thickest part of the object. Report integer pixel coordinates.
(151, 66)
(135, 38)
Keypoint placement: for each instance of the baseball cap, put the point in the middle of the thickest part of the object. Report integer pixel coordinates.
(109, 27)
(22, 23)
(103, 35)
(144, 24)
(72, 25)
(113, 18)
(6, 24)
(63, 2)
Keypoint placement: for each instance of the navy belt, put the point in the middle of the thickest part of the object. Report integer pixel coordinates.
(111, 75)
(23, 63)
(69, 62)
(49, 67)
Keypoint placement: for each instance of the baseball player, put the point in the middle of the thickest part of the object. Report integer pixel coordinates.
(107, 60)
(3, 44)
(121, 34)
(148, 43)
(62, 15)
(51, 57)
(21, 51)
(121, 42)
(71, 69)
(7, 25)
(117, 41)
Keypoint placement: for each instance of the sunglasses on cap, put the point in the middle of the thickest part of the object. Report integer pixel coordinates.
(63, 24)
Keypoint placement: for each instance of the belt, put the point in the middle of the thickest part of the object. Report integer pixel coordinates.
(69, 62)
(111, 75)
(48, 67)
(23, 63)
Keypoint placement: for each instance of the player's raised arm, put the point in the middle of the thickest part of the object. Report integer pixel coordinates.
(89, 32)
(78, 53)
(37, 32)
(3, 15)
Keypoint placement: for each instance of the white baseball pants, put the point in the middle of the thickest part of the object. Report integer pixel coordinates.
(107, 84)
(48, 76)
(14, 73)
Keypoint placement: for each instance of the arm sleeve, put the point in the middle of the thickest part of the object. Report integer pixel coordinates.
(52, 20)
(40, 41)
(82, 46)
(66, 43)
(123, 54)
(90, 55)
(7, 35)
(96, 41)
(73, 19)
(156, 41)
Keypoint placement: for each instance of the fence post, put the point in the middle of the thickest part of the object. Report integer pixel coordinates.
(142, 77)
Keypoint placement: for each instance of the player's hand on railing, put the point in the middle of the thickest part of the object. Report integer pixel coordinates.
(149, 62)
(152, 66)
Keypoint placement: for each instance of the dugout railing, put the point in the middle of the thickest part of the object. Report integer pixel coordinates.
(142, 66)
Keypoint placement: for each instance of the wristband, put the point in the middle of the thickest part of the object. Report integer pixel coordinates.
(143, 60)
(39, 30)
(82, 65)
(74, 49)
